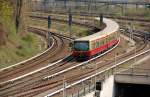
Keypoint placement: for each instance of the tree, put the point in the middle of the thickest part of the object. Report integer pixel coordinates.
(20, 17)
(2, 35)
(5, 19)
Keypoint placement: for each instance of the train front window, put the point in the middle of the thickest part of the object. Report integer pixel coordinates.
(81, 46)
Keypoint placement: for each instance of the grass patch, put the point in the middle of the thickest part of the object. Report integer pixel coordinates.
(28, 47)
(63, 28)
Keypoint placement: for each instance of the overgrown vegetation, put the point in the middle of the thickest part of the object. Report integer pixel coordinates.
(14, 47)
(62, 28)
(28, 46)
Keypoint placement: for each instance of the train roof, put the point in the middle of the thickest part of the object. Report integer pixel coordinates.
(111, 26)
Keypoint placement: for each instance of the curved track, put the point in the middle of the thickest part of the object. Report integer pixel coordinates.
(35, 84)
(102, 66)
(70, 77)
(52, 55)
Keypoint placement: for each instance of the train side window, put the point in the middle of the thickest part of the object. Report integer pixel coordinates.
(107, 39)
(111, 37)
(101, 42)
(97, 44)
(93, 45)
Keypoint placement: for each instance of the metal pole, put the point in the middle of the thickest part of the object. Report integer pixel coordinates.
(131, 32)
(101, 19)
(96, 74)
(70, 23)
(115, 62)
(64, 86)
(65, 4)
(49, 33)
(135, 53)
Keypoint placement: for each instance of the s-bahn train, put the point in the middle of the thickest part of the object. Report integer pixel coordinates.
(86, 47)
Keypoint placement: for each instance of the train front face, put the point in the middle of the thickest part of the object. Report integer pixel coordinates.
(81, 50)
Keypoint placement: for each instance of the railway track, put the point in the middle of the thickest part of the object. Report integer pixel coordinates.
(43, 85)
(92, 71)
(102, 67)
(140, 20)
(59, 83)
(42, 35)
(128, 18)
(40, 85)
(32, 90)
(49, 57)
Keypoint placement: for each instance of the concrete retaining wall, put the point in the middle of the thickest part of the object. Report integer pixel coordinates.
(108, 87)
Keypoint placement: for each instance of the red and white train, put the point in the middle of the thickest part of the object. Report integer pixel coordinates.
(89, 46)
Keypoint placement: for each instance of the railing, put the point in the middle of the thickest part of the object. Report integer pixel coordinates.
(91, 86)
(85, 90)
(137, 72)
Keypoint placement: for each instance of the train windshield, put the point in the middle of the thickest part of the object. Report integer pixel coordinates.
(81, 46)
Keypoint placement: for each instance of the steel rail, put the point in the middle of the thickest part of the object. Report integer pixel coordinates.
(28, 59)
(84, 63)
(112, 67)
(30, 73)
(112, 2)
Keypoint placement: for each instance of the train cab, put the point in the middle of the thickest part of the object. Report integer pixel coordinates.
(81, 50)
